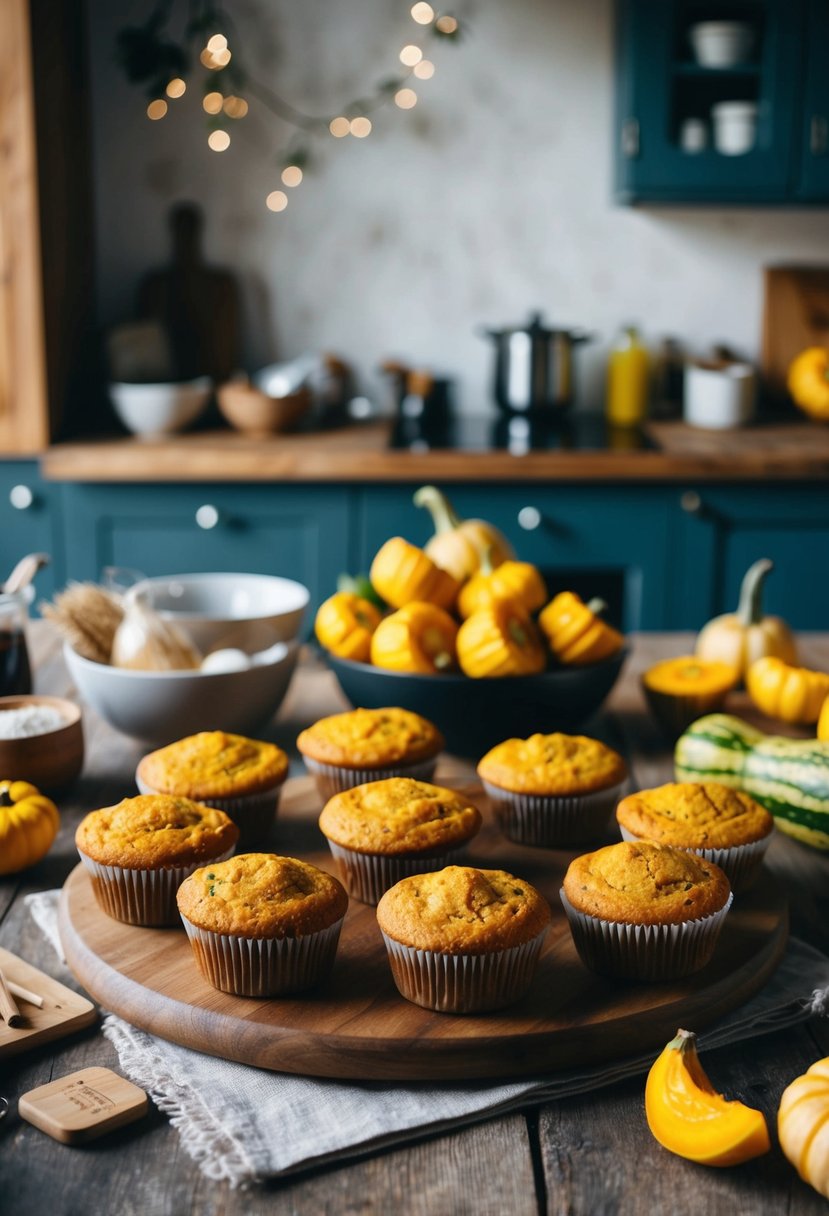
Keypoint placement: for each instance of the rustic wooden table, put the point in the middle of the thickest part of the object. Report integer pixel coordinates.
(584, 1155)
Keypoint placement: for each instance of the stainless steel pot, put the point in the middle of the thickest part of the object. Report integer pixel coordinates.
(534, 366)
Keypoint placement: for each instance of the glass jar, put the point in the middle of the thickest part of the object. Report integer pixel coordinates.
(15, 672)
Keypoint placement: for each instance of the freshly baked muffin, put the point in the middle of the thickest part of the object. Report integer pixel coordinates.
(721, 824)
(461, 940)
(553, 790)
(382, 831)
(639, 910)
(363, 745)
(240, 776)
(262, 925)
(138, 852)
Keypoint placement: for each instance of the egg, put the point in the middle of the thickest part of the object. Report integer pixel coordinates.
(229, 659)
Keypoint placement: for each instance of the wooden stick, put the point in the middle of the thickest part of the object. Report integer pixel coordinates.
(8, 1005)
(25, 994)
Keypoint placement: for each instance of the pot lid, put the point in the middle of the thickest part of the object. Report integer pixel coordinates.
(536, 328)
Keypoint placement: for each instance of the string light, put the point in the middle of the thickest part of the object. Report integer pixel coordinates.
(410, 55)
(339, 127)
(291, 175)
(277, 200)
(221, 59)
(218, 140)
(176, 87)
(235, 107)
(424, 70)
(157, 109)
(405, 98)
(217, 43)
(361, 127)
(212, 103)
(446, 25)
(423, 14)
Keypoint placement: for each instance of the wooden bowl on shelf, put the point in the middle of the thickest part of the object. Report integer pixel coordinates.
(51, 760)
(253, 412)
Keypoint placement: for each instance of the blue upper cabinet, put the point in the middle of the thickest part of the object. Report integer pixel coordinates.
(672, 141)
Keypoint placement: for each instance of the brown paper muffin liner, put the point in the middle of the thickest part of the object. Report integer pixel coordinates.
(741, 863)
(463, 983)
(253, 814)
(655, 953)
(263, 966)
(367, 876)
(333, 779)
(142, 897)
(551, 821)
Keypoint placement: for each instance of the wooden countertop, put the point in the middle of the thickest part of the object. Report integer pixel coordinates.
(360, 453)
(591, 1153)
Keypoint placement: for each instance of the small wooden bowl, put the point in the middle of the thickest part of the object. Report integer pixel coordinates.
(250, 410)
(50, 761)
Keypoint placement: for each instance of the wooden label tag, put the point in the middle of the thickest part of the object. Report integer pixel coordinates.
(83, 1105)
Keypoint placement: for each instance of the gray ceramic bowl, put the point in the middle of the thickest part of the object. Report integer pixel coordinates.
(474, 715)
(162, 706)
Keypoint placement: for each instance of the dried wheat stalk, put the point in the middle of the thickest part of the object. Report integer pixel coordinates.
(88, 617)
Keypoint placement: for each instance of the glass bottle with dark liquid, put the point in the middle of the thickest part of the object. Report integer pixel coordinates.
(15, 671)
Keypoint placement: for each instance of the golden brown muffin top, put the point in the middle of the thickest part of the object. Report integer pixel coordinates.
(399, 815)
(695, 816)
(214, 764)
(461, 910)
(368, 738)
(262, 895)
(153, 831)
(552, 764)
(643, 883)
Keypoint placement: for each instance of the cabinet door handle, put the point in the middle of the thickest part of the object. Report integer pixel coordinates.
(630, 138)
(818, 135)
(529, 518)
(21, 497)
(691, 503)
(207, 516)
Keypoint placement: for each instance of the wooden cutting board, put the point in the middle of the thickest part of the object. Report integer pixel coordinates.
(357, 1025)
(63, 1012)
(795, 315)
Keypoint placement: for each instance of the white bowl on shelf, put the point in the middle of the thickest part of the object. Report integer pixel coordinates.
(162, 706)
(721, 44)
(245, 611)
(149, 410)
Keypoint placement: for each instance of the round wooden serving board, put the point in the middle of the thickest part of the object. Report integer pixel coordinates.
(358, 1026)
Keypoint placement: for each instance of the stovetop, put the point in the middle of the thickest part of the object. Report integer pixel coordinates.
(517, 433)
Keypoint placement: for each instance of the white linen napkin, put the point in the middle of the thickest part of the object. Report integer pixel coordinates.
(244, 1124)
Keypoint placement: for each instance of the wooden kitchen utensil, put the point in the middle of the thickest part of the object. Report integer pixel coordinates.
(63, 1011)
(83, 1105)
(795, 316)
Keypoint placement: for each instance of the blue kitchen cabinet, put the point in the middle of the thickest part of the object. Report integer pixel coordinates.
(30, 522)
(660, 86)
(299, 532)
(722, 530)
(605, 541)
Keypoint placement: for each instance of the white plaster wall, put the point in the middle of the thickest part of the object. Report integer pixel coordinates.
(491, 198)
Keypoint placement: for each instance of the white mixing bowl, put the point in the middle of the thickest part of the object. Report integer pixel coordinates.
(159, 409)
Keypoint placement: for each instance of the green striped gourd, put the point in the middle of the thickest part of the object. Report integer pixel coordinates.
(790, 777)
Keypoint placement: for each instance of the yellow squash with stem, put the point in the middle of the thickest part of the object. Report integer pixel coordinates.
(344, 624)
(29, 823)
(791, 694)
(576, 632)
(403, 574)
(458, 544)
(500, 640)
(419, 637)
(517, 582)
(688, 1117)
(740, 638)
(808, 382)
(803, 1125)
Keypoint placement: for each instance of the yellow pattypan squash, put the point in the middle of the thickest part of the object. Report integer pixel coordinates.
(402, 574)
(29, 823)
(344, 624)
(576, 632)
(500, 640)
(417, 638)
(792, 694)
(808, 382)
(519, 582)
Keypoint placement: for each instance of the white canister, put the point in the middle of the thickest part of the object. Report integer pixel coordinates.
(719, 396)
(693, 135)
(735, 126)
(721, 44)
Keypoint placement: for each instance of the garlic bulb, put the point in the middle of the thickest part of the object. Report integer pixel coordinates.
(145, 642)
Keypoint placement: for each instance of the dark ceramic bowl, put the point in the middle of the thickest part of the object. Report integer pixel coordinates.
(474, 715)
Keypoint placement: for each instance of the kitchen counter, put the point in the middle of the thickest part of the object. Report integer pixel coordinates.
(586, 1154)
(361, 453)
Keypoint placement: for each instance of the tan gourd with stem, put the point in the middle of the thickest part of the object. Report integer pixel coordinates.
(803, 1125)
(458, 544)
(740, 638)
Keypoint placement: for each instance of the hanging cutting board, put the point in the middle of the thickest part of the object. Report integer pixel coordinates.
(357, 1026)
(795, 315)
